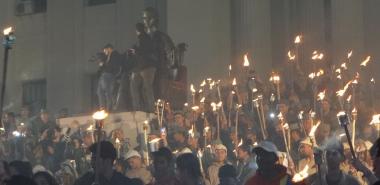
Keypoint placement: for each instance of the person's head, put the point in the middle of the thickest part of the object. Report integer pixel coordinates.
(44, 115)
(140, 28)
(25, 111)
(107, 156)
(326, 106)
(20, 180)
(367, 132)
(227, 175)
(188, 167)
(307, 124)
(44, 178)
(266, 156)
(9, 117)
(179, 119)
(306, 148)
(162, 161)
(295, 135)
(179, 136)
(134, 159)
(20, 168)
(150, 17)
(334, 154)
(243, 152)
(107, 49)
(220, 153)
(283, 108)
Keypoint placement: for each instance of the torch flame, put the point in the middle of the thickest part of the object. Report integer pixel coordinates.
(192, 88)
(219, 104)
(338, 70)
(8, 30)
(349, 54)
(321, 95)
(291, 56)
(375, 119)
(213, 105)
(191, 132)
(314, 129)
(320, 56)
(202, 100)
(344, 66)
(195, 108)
(240, 143)
(312, 75)
(230, 67)
(246, 61)
(234, 82)
(297, 40)
(372, 80)
(286, 126)
(349, 98)
(320, 72)
(206, 129)
(279, 116)
(117, 141)
(100, 115)
(90, 128)
(342, 91)
(203, 83)
(365, 62)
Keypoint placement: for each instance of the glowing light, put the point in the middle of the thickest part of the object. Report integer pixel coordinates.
(349, 54)
(344, 66)
(343, 91)
(372, 80)
(275, 78)
(117, 141)
(230, 67)
(213, 105)
(191, 132)
(375, 119)
(349, 98)
(203, 83)
(234, 82)
(186, 104)
(286, 126)
(246, 61)
(314, 129)
(297, 40)
(240, 143)
(321, 95)
(100, 115)
(338, 70)
(195, 108)
(291, 56)
(365, 62)
(192, 88)
(300, 115)
(202, 100)
(7, 31)
(90, 128)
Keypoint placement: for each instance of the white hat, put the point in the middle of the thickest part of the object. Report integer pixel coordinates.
(220, 147)
(267, 146)
(132, 153)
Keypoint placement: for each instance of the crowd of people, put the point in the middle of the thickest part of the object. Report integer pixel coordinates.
(238, 131)
(226, 135)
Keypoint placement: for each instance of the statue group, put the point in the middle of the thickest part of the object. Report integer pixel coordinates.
(151, 69)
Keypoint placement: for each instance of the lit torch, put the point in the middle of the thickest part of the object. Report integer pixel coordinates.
(365, 62)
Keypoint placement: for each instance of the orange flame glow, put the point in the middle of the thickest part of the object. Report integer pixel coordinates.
(365, 62)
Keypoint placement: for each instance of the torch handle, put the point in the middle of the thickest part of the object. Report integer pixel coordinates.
(349, 141)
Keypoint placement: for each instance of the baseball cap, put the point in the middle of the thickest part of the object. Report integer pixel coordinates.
(267, 146)
(132, 153)
(220, 147)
